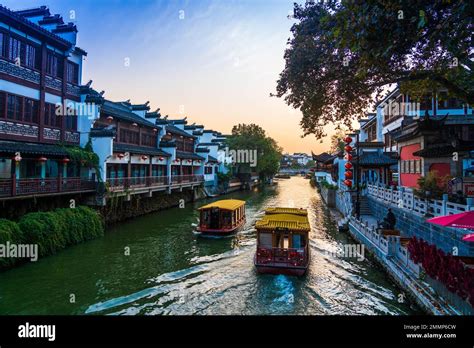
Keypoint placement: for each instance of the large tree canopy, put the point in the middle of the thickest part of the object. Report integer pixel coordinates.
(253, 137)
(343, 53)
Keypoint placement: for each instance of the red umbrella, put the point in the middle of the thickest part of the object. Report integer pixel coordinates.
(461, 220)
(468, 237)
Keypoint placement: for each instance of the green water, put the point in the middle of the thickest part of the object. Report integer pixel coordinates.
(171, 270)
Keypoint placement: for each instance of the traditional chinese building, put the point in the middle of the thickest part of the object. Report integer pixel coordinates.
(44, 110)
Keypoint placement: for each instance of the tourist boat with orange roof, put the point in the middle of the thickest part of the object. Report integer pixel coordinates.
(222, 217)
(283, 242)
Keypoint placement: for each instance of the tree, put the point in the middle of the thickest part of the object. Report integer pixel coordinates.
(251, 139)
(342, 54)
(310, 164)
(337, 141)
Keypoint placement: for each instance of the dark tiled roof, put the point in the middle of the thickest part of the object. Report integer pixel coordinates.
(123, 112)
(323, 157)
(92, 96)
(212, 159)
(188, 155)
(181, 121)
(153, 114)
(21, 17)
(197, 132)
(102, 132)
(32, 148)
(140, 107)
(140, 150)
(190, 127)
(179, 131)
(202, 149)
(375, 159)
(161, 121)
(208, 144)
(443, 149)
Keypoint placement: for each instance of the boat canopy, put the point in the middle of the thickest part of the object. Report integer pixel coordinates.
(286, 218)
(225, 204)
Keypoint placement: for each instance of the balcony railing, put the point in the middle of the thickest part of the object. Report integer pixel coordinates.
(290, 257)
(405, 199)
(118, 184)
(22, 187)
(184, 179)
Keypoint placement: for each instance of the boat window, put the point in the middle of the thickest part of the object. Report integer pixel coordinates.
(227, 218)
(205, 217)
(297, 241)
(286, 244)
(265, 240)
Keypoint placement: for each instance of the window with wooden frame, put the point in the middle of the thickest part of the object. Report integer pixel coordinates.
(31, 110)
(54, 66)
(72, 73)
(14, 107)
(418, 166)
(3, 52)
(3, 104)
(50, 117)
(412, 166)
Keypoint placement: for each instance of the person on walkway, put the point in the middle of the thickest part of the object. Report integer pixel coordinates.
(389, 221)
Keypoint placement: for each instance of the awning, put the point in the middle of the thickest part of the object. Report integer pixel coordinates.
(11, 147)
(139, 150)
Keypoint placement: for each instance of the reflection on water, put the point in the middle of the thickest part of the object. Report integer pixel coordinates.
(171, 270)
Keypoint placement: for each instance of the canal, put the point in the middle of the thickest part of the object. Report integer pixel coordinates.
(156, 265)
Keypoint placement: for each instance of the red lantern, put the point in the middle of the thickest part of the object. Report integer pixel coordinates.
(348, 175)
(349, 157)
(134, 124)
(65, 160)
(348, 165)
(120, 155)
(348, 148)
(348, 183)
(144, 157)
(348, 140)
(42, 159)
(161, 158)
(155, 130)
(110, 119)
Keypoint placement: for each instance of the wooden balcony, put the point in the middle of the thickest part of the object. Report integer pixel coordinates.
(152, 182)
(23, 188)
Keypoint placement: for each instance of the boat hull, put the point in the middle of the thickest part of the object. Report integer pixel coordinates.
(276, 268)
(221, 232)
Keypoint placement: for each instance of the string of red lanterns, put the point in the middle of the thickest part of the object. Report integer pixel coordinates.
(348, 174)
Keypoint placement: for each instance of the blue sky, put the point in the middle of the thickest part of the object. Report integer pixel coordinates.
(217, 61)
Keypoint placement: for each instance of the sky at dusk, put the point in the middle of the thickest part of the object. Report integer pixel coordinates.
(215, 62)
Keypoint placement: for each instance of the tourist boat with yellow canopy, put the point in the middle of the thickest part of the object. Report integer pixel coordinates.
(283, 242)
(221, 217)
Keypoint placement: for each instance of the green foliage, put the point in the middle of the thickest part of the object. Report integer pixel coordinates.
(327, 185)
(253, 137)
(52, 231)
(343, 53)
(9, 231)
(432, 183)
(85, 156)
